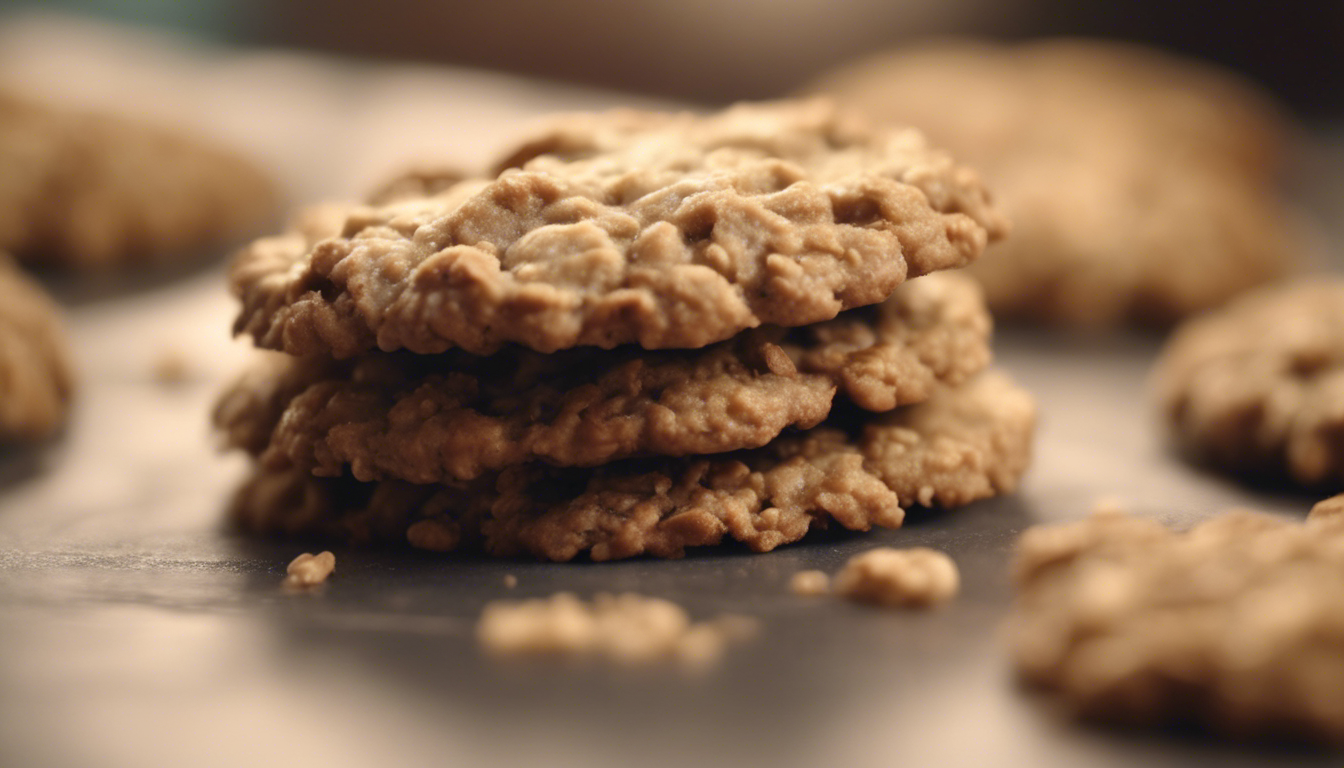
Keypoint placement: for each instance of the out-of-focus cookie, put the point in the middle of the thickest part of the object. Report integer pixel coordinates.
(1257, 388)
(1140, 185)
(1236, 625)
(441, 418)
(963, 444)
(36, 383)
(85, 190)
(666, 230)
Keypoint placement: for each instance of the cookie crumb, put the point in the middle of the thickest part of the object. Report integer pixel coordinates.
(900, 578)
(810, 583)
(510, 581)
(625, 628)
(171, 367)
(309, 570)
(1328, 512)
(1109, 505)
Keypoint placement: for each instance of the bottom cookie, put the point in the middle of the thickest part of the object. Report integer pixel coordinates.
(963, 444)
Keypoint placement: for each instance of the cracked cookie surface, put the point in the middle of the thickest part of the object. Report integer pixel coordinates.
(663, 230)
(440, 418)
(964, 443)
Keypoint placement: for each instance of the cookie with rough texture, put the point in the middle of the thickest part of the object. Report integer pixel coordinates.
(963, 444)
(1140, 186)
(86, 190)
(666, 230)
(1257, 388)
(36, 383)
(1236, 625)
(439, 418)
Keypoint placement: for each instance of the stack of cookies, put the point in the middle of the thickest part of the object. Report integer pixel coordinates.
(644, 332)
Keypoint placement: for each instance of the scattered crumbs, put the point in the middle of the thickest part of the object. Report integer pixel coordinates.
(171, 367)
(625, 628)
(810, 583)
(510, 581)
(904, 578)
(309, 570)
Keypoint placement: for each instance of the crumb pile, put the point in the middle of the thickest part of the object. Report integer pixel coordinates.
(646, 332)
(1237, 624)
(87, 190)
(1141, 186)
(625, 628)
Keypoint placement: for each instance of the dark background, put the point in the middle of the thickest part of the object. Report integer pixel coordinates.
(720, 50)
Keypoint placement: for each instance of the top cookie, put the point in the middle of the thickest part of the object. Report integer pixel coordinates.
(35, 379)
(666, 230)
(89, 190)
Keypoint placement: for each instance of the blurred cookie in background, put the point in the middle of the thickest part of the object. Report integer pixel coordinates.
(89, 191)
(1257, 388)
(1141, 185)
(36, 383)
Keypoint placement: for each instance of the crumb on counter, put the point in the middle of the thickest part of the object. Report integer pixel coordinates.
(171, 366)
(810, 583)
(904, 578)
(1109, 505)
(510, 581)
(1330, 511)
(625, 628)
(309, 570)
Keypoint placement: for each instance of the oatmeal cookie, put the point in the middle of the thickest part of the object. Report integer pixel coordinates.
(963, 444)
(90, 190)
(1257, 389)
(438, 418)
(36, 383)
(666, 230)
(1140, 185)
(1236, 625)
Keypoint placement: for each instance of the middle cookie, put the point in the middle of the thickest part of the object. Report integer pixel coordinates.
(455, 416)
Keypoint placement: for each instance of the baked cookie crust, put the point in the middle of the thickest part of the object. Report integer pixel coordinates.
(451, 417)
(963, 444)
(663, 230)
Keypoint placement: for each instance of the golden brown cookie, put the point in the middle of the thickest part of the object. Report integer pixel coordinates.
(86, 190)
(666, 230)
(1140, 185)
(36, 383)
(454, 416)
(1235, 625)
(965, 443)
(1257, 388)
